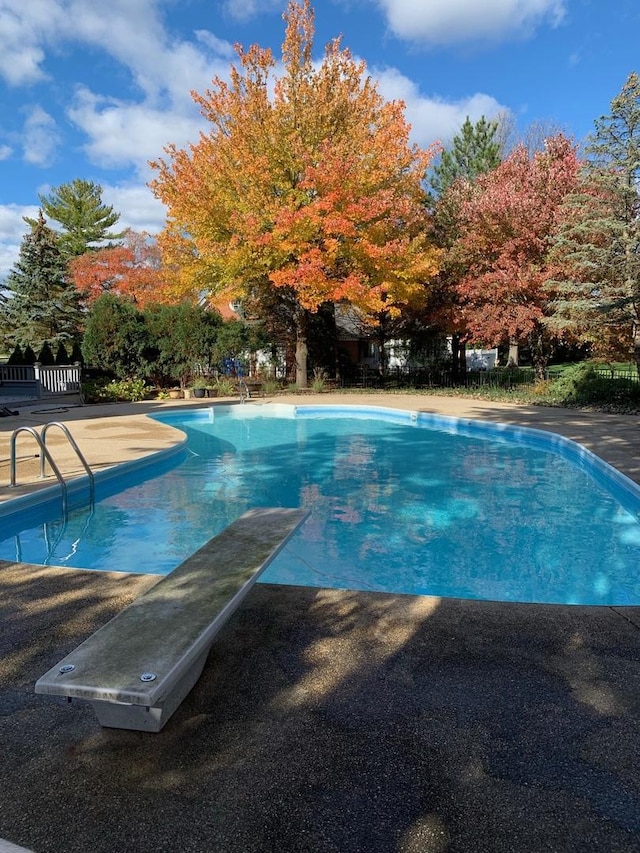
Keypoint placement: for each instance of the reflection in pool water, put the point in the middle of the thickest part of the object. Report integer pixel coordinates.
(400, 502)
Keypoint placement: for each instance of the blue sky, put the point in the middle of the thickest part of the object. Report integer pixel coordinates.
(92, 89)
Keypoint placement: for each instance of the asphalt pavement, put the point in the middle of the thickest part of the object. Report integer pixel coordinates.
(330, 721)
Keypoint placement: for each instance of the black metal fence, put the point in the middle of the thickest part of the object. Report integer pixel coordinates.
(519, 377)
(630, 375)
(425, 378)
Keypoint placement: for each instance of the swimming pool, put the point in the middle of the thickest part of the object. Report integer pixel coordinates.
(400, 502)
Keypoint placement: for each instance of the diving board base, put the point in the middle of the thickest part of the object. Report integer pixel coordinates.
(143, 718)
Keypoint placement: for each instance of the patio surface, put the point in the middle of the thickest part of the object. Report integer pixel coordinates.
(327, 720)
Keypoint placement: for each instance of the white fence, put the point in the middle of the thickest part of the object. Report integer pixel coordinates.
(40, 380)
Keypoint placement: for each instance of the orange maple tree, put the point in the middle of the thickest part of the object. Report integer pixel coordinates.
(132, 268)
(506, 224)
(305, 183)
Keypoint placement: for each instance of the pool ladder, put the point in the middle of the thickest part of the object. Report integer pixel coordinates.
(45, 456)
(243, 388)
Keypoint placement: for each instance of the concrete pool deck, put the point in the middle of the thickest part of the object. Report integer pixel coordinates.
(328, 720)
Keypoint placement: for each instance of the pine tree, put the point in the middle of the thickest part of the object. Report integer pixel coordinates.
(45, 356)
(42, 305)
(474, 151)
(17, 356)
(83, 218)
(62, 356)
(596, 247)
(29, 356)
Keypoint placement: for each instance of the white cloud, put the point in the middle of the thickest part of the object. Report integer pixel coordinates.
(12, 230)
(5, 152)
(12, 224)
(21, 34)
(219, 46)
(119, 133)
(124, 134)
(138, 207)
(444, 22)
(433, 119)
(8, 256)
(160, 66)
(157, 63)
(242, 10)
(40, 137)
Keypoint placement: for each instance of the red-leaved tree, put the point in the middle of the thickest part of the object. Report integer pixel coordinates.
(132, 269)
(506, 222)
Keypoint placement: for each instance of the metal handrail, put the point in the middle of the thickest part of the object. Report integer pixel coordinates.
(242, 386)
(45, 456)
(45, 453)
(77, 451)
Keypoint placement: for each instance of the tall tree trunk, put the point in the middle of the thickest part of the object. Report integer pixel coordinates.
(302, 349)
(455, 357)
(334, 344)
(636, 345)
(512, 361)
(381, 341)
(462, 355)
(540, 351)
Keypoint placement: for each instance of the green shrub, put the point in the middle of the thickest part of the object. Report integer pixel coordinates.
(582, 385)
(319, 379)
(116, 338)
(114, 391)
(200, 382)
(62, 356)
(575, 385)
(17, 356)
(46, 356)
(226, 387)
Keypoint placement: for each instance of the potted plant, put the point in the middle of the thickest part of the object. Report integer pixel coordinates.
(199, 386)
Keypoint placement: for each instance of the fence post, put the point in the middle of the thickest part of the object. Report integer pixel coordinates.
(36, 376)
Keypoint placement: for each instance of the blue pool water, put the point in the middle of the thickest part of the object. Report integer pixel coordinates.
(400, 502)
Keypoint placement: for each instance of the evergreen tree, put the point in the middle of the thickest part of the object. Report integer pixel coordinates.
(62, 356)
(117, 339)
(43, 306)
(76, 354)
(29, 356)
(474, 151)
(83, 218)
(184, 336)
(17, 356)
(596, 247)
(45, 356)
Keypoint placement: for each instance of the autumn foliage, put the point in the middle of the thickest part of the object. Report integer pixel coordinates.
(132, 269)
(305, 183)
(506, 223)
